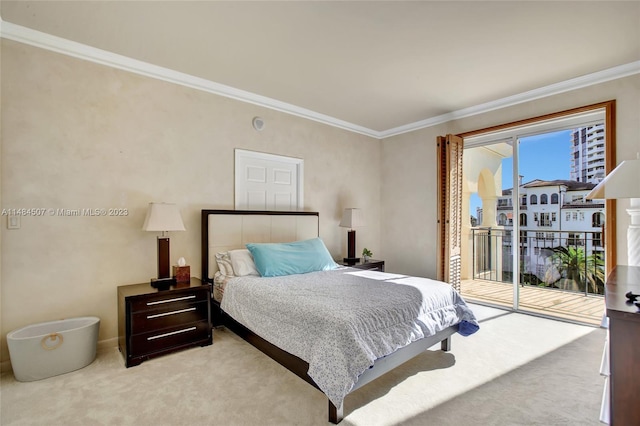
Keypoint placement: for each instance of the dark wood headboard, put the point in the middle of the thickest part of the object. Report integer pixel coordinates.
(224, 230)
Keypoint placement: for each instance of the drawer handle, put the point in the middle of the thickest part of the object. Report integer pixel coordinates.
(170, 313)
(159, 336)
(171, 300)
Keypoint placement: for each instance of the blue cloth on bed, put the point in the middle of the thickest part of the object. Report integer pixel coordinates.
(467, 328)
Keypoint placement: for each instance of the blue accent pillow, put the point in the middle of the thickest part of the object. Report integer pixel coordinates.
(299, 257)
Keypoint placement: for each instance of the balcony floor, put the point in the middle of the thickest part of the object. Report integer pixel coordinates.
(556, 303)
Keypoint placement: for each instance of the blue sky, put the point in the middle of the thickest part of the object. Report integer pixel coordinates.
(545, 157)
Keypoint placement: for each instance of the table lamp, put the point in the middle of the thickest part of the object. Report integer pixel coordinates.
(351, 218)
(624, 182)
(163, 217)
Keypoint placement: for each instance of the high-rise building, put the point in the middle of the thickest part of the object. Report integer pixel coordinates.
(587, 154)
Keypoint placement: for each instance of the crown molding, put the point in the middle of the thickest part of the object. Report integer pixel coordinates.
(46, 41)
(78, 50)
(542, 92)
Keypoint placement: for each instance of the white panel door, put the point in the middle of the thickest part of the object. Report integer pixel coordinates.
(267, 182)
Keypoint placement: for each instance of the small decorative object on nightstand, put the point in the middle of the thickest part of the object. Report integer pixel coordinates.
(371, 264)
(366, 254)
(182, 271)
(153, 321)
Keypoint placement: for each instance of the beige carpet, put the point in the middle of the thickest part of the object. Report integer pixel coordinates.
(517, 370)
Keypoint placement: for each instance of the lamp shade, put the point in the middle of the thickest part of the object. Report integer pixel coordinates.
(163, 217)
(622, 182)
(351, 218)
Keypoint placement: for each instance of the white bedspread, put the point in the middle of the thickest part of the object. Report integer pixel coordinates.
(341, 321)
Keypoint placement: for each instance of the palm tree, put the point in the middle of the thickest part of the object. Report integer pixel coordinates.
(584, 270)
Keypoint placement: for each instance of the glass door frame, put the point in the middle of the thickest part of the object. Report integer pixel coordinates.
(606, 112)
(515, 234)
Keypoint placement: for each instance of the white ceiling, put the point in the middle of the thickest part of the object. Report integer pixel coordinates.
(374, 67)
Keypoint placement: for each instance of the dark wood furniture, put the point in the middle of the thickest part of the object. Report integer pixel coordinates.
(371, 264)
(292, 362)
(624, 345)
(153, 322)
(381, 366)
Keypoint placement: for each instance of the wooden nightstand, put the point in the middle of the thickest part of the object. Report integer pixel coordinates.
(371, 264)
(154, 322)
(624, 346)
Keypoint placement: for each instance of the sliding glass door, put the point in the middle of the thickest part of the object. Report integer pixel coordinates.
(532, 239)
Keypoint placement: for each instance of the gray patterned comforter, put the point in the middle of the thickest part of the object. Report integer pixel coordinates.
(341, 321)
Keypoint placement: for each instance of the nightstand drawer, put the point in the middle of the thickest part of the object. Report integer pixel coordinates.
(169, 301)
(157, 319)
(168, 338)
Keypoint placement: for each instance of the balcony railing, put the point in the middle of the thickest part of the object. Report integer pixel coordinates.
(566, 260)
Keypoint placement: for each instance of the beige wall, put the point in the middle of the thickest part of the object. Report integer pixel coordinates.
(80, 135)
(409, 231)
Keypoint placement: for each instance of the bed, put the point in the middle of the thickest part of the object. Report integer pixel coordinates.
(338, 328)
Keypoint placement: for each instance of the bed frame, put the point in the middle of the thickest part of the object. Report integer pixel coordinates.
(237, 227)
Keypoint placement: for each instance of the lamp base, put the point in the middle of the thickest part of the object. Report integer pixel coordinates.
(162, 283)
(633, 245)
(351, 260)
(633, 233)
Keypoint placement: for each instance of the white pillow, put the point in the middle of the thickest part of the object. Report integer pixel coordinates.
(242, 262)
(224, 263)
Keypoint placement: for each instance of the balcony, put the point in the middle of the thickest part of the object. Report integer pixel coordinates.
(566, 305)
(561, 272)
